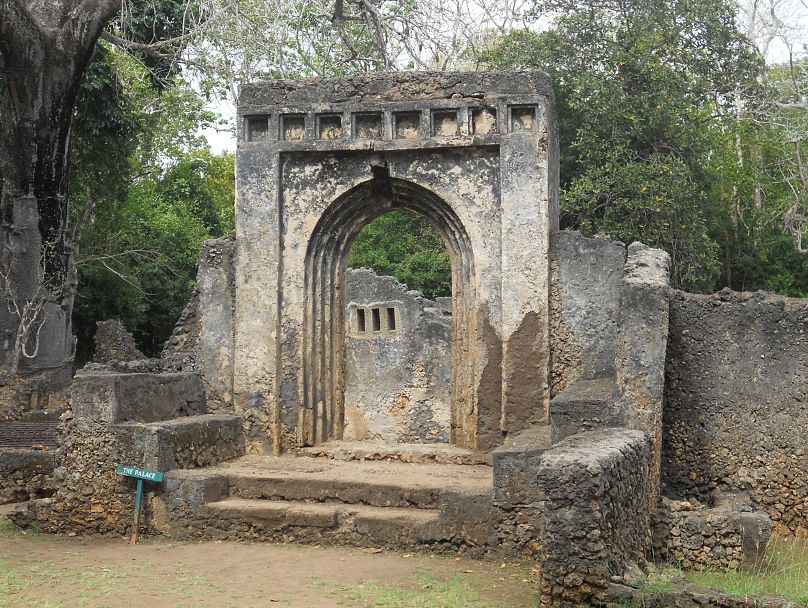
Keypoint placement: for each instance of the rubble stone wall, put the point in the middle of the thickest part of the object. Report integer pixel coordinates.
(114, 343)
(596, 527)
(698, 537)
(736, 402)
(25, 474)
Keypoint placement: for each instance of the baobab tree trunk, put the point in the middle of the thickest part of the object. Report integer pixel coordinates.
(45, 47)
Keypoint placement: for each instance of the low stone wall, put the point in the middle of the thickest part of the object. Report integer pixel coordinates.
(25, 475)
(148, 420)
(596, 526)
(517, 505)
(736, 402)
(698, 537)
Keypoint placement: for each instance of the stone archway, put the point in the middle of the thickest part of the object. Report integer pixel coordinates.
(476, 153)
(322, 408)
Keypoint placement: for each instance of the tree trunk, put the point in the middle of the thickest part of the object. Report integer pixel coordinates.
(45, 48)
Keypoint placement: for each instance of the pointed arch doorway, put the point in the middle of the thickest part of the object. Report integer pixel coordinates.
(322, 413)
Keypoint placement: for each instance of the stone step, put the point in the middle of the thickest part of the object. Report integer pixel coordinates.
(374, 483)
(350, 524)
(419, 453)
(290, 498)
(189, 441)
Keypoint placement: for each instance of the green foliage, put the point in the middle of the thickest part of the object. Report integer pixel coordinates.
(408, 247)
(636, 84)
(146, 193)
(653, 200)
(140, 261)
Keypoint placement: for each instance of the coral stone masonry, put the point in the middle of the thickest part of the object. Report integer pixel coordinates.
(564, 404)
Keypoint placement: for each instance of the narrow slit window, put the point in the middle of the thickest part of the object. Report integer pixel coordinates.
(360, 320)
(391, 319)
(377, 319)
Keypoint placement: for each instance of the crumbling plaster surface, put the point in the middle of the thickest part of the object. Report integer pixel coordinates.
(736, 401)
(466, 181)
(397, 381)
(586, 276)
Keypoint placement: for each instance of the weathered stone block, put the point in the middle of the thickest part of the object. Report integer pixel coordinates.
(585, 406)
(115, 398)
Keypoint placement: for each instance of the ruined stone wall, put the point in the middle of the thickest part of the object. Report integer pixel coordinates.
(586, 276)
(156, 421)
(202, 340)
(114, 343)
(398, 363)
(736, 401)
(723, 537)
(596, 527)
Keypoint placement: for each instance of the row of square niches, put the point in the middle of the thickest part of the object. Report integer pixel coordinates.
(375, 320)
(405, 125)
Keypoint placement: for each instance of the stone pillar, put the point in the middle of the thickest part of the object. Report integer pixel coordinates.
(255, 374)
(641, 348)
(214, 352)
(529, 212)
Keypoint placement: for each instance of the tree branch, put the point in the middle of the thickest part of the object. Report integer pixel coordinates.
(151, 50)
(18, 29)
(89, 19)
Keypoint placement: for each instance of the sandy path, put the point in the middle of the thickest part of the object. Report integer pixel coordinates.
(44, 571)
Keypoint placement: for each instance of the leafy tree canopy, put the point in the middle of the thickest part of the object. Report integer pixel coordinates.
(636, 84)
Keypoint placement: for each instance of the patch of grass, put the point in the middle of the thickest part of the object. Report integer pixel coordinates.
(785, 573)
(426, 592)
(22, 583)
(6, 527)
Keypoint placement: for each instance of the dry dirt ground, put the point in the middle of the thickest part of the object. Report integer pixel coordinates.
(44, 571)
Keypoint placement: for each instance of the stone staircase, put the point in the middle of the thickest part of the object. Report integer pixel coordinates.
(373, 503)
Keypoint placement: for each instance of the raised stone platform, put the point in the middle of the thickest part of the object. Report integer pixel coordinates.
(371, 503)
(437, 453)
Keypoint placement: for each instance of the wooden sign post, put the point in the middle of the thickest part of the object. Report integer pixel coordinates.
(140, 475)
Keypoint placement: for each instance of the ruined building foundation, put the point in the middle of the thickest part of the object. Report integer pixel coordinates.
(565, 403)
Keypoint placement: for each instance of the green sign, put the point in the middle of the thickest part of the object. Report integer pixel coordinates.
(139, 473)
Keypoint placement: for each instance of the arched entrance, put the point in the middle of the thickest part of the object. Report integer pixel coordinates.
(317, 159)
(323, 370)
